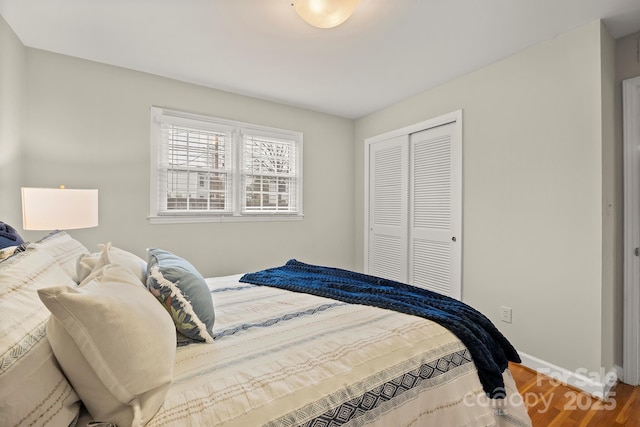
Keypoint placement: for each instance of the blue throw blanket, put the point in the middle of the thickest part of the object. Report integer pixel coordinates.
(489, 349)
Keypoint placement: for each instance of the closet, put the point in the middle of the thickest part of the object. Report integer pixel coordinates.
(413, 205)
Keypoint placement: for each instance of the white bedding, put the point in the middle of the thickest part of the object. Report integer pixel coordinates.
(281, 358)
(278, 358)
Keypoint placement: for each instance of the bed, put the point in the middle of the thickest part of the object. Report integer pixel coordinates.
(104, 336)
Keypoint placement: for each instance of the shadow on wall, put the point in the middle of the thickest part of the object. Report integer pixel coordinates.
(10, 210)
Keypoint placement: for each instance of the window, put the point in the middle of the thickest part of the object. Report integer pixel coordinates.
(208, 169)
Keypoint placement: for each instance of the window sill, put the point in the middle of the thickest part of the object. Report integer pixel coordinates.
(195, 219)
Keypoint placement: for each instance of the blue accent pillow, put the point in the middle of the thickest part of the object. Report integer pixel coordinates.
(183, 292)
(9, 236)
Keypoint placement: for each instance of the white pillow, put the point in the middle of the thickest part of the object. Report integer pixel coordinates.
(111, 255)
(33, 389)
(64, 249)
(86, 264)
(115, 343)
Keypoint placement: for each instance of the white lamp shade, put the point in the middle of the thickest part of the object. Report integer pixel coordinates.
(325, 13)
(59, 208)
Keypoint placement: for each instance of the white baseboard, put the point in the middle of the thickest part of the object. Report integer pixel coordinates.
(598, 384)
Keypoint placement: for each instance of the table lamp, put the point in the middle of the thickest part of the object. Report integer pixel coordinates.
(59, 208)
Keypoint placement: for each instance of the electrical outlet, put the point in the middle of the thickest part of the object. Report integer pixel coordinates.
(505, 314)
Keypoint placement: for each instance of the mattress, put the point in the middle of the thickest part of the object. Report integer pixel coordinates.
(282, 358)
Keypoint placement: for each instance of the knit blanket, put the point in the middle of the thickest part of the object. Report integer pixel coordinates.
(490, 350)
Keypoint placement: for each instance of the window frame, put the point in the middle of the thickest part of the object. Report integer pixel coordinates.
(160, 115)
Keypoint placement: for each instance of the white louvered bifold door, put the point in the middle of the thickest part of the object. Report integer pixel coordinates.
(435, 210)
(388, 202)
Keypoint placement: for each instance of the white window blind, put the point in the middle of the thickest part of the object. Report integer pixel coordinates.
(194, 172)
(205, 169)
(269, 174)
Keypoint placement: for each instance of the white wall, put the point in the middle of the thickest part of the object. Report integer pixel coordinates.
(537, 176)
(532, 192)
(627, 66)
(12, 85)
(612, 207)
(627, 58)
(88, 127)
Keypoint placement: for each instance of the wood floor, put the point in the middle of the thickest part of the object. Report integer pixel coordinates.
(551, 404)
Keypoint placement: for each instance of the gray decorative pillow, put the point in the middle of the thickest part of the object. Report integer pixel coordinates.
(183, 292)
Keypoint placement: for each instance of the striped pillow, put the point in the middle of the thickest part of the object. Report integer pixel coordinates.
(33, 390)
(65, 250)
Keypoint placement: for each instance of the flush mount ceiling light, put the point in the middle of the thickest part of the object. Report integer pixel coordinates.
(325, 13)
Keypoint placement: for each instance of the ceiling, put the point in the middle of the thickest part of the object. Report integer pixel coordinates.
(387, 51)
